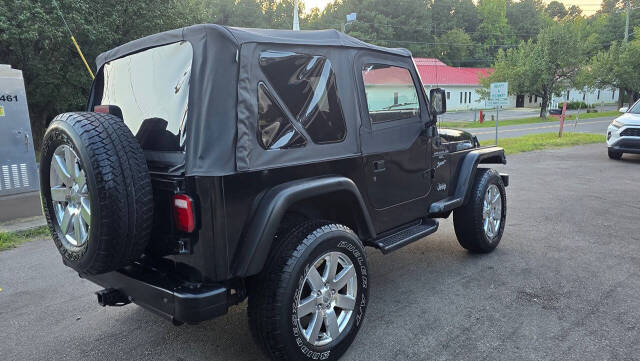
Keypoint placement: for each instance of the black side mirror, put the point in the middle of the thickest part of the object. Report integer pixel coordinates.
(438, 101)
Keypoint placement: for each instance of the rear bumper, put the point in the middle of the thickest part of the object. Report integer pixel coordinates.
(173, 299)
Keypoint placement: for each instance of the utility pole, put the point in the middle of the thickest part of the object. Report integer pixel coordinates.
(626, 28)
(296, 20)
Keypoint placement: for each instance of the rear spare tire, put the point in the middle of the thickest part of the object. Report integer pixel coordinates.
(96, 191)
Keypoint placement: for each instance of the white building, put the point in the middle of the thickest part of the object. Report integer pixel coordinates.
(463, 89)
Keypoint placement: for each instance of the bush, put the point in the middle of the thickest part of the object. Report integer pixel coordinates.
(577, 105)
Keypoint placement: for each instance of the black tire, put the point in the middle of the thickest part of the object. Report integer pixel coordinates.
(468, 220)
(273, 294)
(614, 154)
(119, 188)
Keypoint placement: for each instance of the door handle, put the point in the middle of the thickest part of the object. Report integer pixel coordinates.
(378, 166)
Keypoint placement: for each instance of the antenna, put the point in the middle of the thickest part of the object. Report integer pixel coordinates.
(73, 39)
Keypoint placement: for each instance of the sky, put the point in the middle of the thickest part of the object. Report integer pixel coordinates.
(589, 7)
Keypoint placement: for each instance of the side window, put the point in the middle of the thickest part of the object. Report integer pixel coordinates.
(275, 131)
(391, 93)
(307, 86)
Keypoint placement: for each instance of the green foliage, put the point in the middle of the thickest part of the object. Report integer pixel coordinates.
(504, 33)
(526, 18)
(616, 67)
(454, 47)
(556, 10)
(542, 67)
(13, 239)
(577, 105)
(494, 31)
(543, 141)
(404, 24)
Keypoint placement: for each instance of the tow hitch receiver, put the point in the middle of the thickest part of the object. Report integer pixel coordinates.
(112, 297)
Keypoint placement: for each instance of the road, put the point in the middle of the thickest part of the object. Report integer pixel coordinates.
(563, 285)
(594, 125)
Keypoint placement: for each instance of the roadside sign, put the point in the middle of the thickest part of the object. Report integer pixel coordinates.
(498, 94)
(497, 103)
(499, 91)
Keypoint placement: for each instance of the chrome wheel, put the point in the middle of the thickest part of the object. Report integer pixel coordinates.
(327, 299)
(492, 211)
(70, 196)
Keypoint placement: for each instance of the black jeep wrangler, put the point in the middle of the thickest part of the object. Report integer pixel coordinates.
(216, 163)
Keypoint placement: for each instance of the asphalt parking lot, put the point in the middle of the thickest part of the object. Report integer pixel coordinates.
(563, 285)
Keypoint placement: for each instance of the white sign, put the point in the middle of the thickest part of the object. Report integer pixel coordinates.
(499, 91)
(499, 94)
(351, 17)
(497, 103)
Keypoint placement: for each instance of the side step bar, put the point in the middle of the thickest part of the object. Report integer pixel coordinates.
(405, 236)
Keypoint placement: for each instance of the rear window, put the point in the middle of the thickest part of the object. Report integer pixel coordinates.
(307, 86)
(152, 90)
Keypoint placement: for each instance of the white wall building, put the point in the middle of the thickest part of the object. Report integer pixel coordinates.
(463, 89)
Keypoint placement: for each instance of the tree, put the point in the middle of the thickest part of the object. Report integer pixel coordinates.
(493, 32)
(447, 15)
(574, 11)
(405, 24)
(542, 67)
(34, 39)
(454, 47)
(556, 10)
(616, 67)
(526, 18)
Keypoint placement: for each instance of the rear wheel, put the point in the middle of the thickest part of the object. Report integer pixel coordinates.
(480, 223)
(96, 191)
(614, 154)
(310, 299)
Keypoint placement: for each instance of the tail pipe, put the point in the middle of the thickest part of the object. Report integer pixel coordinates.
(112, 297)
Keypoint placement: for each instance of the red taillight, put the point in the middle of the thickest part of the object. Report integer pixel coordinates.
(109, 109)
(183, 213)
(101, 109)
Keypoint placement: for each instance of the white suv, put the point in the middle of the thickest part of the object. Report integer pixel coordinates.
(623, 134)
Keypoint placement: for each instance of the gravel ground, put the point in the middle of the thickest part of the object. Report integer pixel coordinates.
(563, 285)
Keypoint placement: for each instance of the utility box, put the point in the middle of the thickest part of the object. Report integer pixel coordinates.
(19, 185)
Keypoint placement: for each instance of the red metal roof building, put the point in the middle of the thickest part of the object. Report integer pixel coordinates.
(433, 72)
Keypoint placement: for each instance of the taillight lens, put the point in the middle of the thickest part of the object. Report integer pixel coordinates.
(183, 213)
(101, 109)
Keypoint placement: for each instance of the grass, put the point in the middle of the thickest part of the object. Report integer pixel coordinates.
(10, 240)
(531, 120)
(532, 142)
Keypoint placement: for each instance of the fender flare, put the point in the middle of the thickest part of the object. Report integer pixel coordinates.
(466, 176)
(256, 243)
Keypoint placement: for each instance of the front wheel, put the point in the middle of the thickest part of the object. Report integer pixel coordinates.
(479, 224)
(310, 299)
(614, 154)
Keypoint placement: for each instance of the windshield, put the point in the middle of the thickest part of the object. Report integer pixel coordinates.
(635, 109)
(152, 90)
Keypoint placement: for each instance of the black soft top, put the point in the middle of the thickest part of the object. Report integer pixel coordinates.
(220, 134)
(241, 36)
